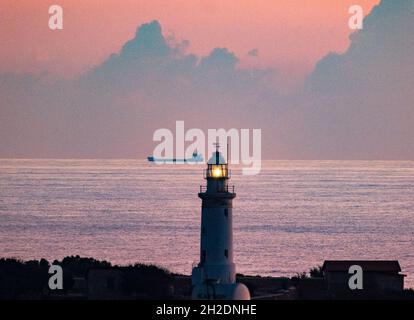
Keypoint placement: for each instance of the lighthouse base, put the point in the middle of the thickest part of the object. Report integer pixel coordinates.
(216, 286)
(220, 291)
(220, 273)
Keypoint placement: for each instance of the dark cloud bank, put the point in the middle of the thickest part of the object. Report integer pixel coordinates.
(356, 105)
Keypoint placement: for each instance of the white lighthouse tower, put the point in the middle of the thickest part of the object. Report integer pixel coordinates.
(214, 277)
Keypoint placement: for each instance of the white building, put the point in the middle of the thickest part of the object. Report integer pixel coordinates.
(215, 275)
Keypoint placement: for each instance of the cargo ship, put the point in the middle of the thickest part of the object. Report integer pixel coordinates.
(196, 157)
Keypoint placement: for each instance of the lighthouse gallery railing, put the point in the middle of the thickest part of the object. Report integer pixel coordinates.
(219, 189)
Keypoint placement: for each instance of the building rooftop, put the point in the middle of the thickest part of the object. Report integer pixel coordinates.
(392, 266)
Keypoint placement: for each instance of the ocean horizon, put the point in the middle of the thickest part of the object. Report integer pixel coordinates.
(289, 218)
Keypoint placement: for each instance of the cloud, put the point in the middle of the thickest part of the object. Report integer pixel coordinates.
(113, 109)
(148, 42)
(378, 54)
(219, 58)
(253, 53)
(360, 104)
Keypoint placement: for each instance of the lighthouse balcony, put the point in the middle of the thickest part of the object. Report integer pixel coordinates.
(218, 189)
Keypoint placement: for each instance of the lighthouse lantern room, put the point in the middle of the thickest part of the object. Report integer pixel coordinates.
(214, 277)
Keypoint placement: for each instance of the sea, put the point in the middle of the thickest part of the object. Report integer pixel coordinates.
(287, 219)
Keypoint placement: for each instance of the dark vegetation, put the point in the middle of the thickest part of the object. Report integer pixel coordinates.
(18, 278)
(29, 279)
(146, 280)
(315, 272)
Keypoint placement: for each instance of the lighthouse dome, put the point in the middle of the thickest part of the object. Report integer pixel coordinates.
(213, 159)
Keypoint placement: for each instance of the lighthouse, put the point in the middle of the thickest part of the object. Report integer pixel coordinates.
(214, 277)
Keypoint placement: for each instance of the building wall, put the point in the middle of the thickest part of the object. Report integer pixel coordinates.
(104, 284)
(374, 284)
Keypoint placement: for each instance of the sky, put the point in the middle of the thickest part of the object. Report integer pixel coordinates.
(289, 35)
(121, 69)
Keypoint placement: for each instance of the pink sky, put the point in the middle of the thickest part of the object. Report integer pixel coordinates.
(290, 35)
(355, 105)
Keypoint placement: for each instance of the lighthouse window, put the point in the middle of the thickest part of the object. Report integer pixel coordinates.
(226, 253)
(226, 212)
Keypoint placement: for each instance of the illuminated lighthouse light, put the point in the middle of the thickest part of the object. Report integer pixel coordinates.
(214, 277)
(217, 172)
